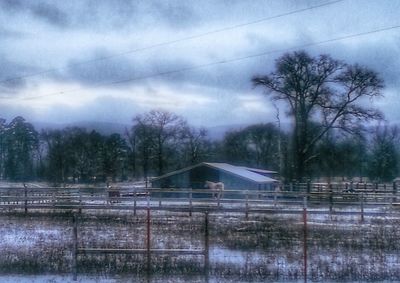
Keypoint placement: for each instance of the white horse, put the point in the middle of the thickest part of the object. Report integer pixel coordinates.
(216, 188)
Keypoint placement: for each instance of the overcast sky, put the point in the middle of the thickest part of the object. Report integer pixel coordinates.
(69, 57)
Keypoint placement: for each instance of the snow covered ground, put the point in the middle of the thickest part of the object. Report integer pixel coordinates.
(37, 247)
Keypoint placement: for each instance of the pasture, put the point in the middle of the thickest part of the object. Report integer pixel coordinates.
(256, 238)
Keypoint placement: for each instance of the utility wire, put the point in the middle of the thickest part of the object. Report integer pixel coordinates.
(196, 67)
(165, 43)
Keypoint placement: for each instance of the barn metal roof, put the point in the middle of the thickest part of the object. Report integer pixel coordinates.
(256, 170)
(243, 172)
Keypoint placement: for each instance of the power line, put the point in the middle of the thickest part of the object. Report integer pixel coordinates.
(165, 43)
(219, 62)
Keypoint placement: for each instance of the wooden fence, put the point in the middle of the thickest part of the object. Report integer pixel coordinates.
(321, 198)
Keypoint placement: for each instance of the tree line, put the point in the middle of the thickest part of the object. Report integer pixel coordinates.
(324, 97)
(160, 141)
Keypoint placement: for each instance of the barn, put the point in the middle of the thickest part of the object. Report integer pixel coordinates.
(233, 177)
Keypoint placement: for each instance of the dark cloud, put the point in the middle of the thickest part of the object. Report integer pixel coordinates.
(122, 14)
(104, 14)
(175, 14)
(50, 14)
(42, 10)
(10, 75)
(123, 68)
(11, 5)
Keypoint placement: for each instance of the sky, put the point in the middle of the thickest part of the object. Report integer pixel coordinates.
(108, 61)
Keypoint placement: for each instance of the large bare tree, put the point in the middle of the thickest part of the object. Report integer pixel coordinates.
(320, 91)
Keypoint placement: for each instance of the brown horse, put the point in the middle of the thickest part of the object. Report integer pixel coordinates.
(216, 188)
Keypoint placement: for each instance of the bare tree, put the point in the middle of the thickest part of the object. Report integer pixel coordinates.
(195, 145)
(158, 132)
(320, 90)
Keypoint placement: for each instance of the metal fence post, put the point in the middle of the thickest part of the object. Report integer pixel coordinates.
(305, 237)
(134, 202)
(362, 207)
(247, 204)
(74, 247)
(190, 202)
(206, 247)
(330, 199)
(148, 238)
(26, 198)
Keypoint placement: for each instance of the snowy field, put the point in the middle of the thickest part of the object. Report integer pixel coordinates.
(259, 249)
(265, 247)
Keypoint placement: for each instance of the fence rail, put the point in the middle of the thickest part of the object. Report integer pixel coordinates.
(297, 199)
(320, 197)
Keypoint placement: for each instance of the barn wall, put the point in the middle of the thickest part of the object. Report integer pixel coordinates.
(175, 181)
(200, 174)
(232, 182)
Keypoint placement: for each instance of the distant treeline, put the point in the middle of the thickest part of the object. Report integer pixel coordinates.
(160, 141)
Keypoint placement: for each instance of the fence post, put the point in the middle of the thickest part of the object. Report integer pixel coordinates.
(26, 198)
(276, 195)
(247, 204)
(305, 238)
(134, 202)
(107, 197)
(308, 190)
(218, 198)
(74, 246)
(80, 201)
(148, 238)
(206, 247)
(190, 202)
(330, 198)
(394, 199)
(362, 207)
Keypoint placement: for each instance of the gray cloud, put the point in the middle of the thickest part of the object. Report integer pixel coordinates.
(104, 14)
(11, 5)
(11, 80)
(44, 34)
(6, 33)
(41, 10)
(50, 14)
(108, 72)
